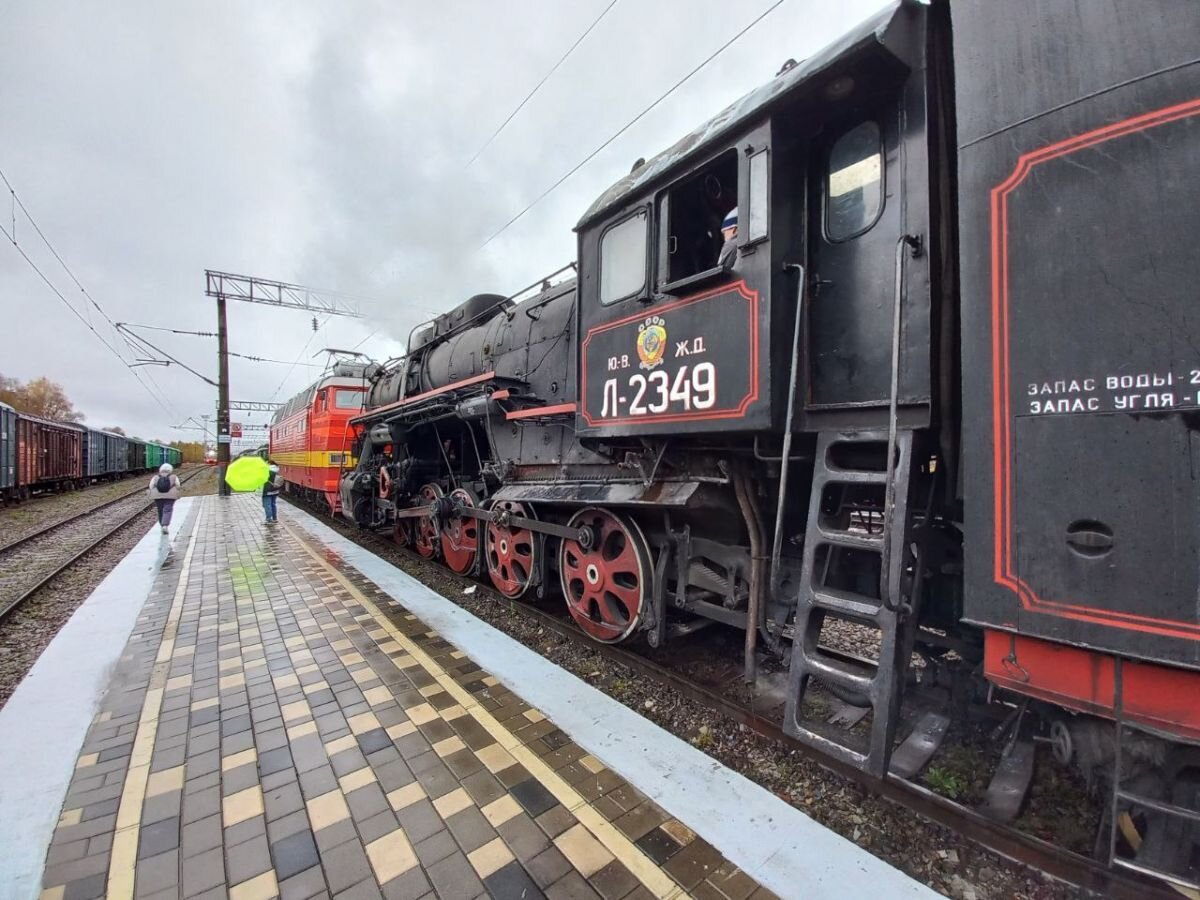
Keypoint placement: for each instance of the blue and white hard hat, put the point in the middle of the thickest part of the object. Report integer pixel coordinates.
(730, 220)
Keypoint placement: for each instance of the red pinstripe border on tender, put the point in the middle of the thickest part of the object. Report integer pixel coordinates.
(1001, 417)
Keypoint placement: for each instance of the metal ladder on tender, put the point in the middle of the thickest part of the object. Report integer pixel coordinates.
(1176, 817)
(882, 687)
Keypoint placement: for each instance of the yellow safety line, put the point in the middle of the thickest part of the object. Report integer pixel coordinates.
(129, 813)
(644, 869)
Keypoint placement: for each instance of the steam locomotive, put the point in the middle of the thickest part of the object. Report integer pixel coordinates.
(947, 390)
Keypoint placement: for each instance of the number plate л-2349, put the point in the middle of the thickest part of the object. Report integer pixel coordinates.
(694, 359)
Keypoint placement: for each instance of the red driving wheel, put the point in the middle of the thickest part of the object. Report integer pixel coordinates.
(460, 535)
(606, 584)
(512, 553)
(425, 537)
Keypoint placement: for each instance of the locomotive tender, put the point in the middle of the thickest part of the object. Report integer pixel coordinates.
(949, 391)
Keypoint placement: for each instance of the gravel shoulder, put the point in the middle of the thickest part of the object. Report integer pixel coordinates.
(18, 520)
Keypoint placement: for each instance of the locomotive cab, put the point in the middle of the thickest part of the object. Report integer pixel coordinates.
(827, 169)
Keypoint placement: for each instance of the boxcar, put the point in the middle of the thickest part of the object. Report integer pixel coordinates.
(49, 455)
(137, 455)
(105, 455)
(8, 452)
(153, 457)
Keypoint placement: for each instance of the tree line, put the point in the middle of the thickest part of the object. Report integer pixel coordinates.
(47, 399)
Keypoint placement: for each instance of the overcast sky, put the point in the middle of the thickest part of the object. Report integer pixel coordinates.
(324, 144)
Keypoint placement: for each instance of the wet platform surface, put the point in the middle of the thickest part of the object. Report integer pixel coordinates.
(279, 725)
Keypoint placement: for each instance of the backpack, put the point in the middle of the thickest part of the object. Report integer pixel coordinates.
(163, 485)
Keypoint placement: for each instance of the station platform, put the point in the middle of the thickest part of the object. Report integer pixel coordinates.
(251, 711)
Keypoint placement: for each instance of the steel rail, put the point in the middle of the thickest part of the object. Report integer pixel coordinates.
(87, 512)
(1003, 840)
(12, 605)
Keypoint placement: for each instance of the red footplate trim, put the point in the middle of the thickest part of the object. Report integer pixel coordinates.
(1160, 696)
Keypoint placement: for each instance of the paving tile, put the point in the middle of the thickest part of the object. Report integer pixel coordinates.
(327, 809)
(303, 885)
(435, 848)
(694, 863)
(571, 887)
(89, 888)
(375, 739)
(366, 889)
(454, 878)
(489, 858)
(501, 810)
(158, 837)
(419, 820)
(242, 805)
(470, 828)
(393, 775)
(366, 802)
(523, 837)
(201, 835)
(294, 854)
(262, 887)
(548, 867)
(640, 820)
(247, 859)
(391, 856)
(345, 866)
(613, 881)
(317, 781)
(533, 797)
(412, 883)
(335, 835)
(274, 760)
(658, 845)
(511, 882)
(555, 820)
(586, 853)
(158, 873)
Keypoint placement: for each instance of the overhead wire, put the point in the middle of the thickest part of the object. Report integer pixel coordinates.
(159, 397)
(678, 84)
(288, 374)
(537, 87)
(161, 401)
(205, 334)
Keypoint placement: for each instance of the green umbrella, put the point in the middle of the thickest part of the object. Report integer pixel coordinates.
(247, 474)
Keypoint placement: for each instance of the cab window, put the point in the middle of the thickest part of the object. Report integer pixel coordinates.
(623, 259)
(854, 183)
(694, 211)
(348, 399)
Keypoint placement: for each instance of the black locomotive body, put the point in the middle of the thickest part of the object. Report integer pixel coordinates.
(942, 386)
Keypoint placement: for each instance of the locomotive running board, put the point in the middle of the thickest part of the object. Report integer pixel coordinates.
(879, 688)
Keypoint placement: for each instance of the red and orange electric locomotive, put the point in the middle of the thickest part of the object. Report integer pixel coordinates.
(947, 390)
(310, 434)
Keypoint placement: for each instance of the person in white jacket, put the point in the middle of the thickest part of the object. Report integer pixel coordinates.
(164, 491)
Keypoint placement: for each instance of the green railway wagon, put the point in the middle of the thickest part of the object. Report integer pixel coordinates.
(154, 456)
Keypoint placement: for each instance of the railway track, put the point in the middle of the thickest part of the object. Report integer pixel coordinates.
(32, 561)
(1004, 840)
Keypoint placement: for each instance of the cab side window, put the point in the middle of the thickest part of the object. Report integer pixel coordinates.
(854, 183)
(623, 259)
(694, 211)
